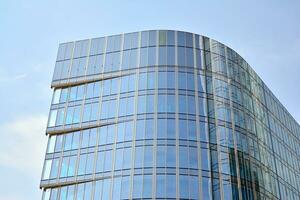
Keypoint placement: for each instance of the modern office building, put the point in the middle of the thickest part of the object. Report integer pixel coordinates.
(165, 114)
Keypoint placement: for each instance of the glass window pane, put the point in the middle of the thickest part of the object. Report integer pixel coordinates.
(125, 187)
(75, 142)
(183, 155)
(116, 188)
(52, 118)
(51, 144)
(98, 189)
(82, 163)
(171, 186)
(151, 56)
(138, 163)
(56, 96)
(137, 186)
(97, 46)
(106, 189)
(108, 161)
(100, 161)
(148, 156)
(127, 158)
(184, 187)
(88, 190)
(147, 186)
(72, 166)
(47, 169)
(162, 38)
(160, 186)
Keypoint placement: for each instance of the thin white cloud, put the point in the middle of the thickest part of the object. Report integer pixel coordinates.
(22, 146)
(5, 78)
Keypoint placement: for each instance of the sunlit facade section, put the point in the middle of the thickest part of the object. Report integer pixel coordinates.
(165, 114)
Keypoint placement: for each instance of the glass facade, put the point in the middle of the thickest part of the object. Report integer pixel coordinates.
(165, 114)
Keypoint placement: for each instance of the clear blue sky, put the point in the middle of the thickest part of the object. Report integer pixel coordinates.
(265, 33)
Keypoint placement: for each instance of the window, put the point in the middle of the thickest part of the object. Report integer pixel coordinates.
(184, 187)
(192, 133)
(118, 159)
(162, 80)
(82, 163)
(113, 43)
(162, 37)
(64, 167)
(171, 80)
(90, 166)
(182, 81)
(63, 95)
(191, 105)
(52, 118)
(140, 129)
(138, 160)
(108, 161)
(137, 186)
(141, 104)
(183, 156)
(65, 51)
(95, 65)
(112, 62)
(161, 128)
(56, 96)
(78, 67)
(58, 143)
(97, 46)
(54, 168)
(162, 55)
(98, 189)
(170, 38)
(127, 158)
(47, 169)
(189, 57)
(152, 56)
(171, 156)
(129, 59)
(130, 41)
(51, 144)
(171, 186)
(183, 134)
(193, 158)
(88, 190)
(206, 185)
(100, 161)
(68, 141)
(171, 103)
(160, 186)
(128, 131)
(81, 48)
(143, 57)
(180, 38)
(162, 103)
(72, 166)
(147, 186)
(181, 56)
(193, 182)
(205, 159)
(152, 38)
(161, 156)
(149, 131)
(125, 188)
(116, 188)
(170, 55)
(148, 156)
(106, 189)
